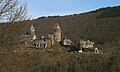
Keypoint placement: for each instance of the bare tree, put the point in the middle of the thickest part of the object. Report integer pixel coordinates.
(12, 10)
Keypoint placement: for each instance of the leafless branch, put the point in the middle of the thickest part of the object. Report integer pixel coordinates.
(12, 10)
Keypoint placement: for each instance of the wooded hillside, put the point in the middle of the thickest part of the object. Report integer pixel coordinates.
(101, 26)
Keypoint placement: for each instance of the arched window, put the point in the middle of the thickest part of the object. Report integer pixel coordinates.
(96, 50)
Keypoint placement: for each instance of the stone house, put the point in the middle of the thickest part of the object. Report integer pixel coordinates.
(66, 41)
(87, 46)
(43, 43)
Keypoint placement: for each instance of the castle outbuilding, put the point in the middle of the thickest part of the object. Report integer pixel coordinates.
(66, 41)
(87, 46)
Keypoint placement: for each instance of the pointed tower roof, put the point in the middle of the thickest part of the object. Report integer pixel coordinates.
(32, 28)
(57, 26)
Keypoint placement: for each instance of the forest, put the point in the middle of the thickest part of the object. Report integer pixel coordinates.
(101, 26)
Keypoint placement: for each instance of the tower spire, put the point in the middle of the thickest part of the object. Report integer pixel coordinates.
(32, 29)
(57, 26)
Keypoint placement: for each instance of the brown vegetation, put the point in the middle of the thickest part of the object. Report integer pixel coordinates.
(104, 31)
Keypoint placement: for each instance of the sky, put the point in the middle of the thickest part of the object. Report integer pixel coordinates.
(39, 8)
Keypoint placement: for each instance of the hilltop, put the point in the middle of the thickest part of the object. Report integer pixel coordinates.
(101, 26)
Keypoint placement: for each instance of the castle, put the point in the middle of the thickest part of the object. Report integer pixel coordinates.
(31, 40)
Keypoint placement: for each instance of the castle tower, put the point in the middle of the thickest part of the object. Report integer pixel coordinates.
(34, 37)
(51, 37)
(32, 30)
(57, 33)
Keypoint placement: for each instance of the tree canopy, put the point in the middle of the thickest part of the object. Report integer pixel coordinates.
(12, 10)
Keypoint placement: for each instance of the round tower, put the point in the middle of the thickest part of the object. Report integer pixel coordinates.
(57, 33)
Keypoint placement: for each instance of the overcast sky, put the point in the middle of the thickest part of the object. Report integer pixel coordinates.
(38, 8)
